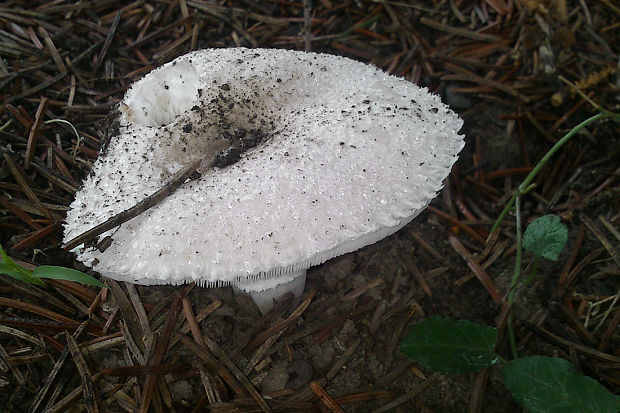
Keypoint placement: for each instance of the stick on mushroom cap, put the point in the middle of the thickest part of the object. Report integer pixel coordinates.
(315, 156)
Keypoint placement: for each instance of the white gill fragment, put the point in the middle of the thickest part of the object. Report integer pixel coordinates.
(316, 156)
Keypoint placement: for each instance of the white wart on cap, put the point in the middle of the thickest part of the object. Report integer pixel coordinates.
(316, 156)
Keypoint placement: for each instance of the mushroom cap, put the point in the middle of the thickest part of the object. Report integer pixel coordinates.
(349, 155)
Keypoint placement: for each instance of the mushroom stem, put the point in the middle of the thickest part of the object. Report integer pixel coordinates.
(265, 291)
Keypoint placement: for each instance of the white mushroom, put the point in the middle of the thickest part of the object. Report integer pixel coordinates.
(316, 156)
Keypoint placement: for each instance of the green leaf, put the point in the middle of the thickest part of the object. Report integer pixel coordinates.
(451, 346)
(13, 269)
(63, 273)
(546, 236)
(552, 385)
(12, 272)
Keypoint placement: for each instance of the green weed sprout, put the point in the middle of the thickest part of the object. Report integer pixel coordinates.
(12, 269)
(540, 384)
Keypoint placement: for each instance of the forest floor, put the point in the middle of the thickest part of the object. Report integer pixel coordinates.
(516, 71)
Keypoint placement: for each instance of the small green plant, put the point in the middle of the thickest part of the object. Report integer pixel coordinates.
(13, 269)
(539, 384)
